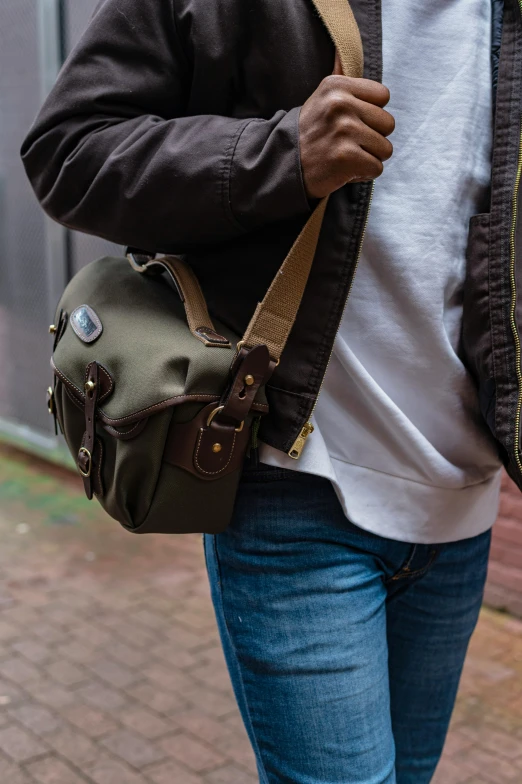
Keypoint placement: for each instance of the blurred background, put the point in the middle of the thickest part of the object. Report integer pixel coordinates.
(110, 667)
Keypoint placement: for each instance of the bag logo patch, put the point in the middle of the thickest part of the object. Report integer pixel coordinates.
(86, 324)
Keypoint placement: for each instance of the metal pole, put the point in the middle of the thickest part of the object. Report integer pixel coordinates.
(50, 40)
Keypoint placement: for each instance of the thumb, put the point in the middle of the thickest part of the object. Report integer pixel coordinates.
(338, 69)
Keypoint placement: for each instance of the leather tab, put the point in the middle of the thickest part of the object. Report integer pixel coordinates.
(86, 454)
(106, 383)
(215, 448)
(190, 446)
(253, 364)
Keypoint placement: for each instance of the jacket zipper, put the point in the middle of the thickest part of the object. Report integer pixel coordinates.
(512, 275)
(300, 442)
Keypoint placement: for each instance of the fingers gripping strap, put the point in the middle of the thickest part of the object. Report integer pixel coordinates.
(275, 315)
(340, 21)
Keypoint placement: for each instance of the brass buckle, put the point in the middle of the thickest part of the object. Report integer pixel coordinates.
(50, 401)
(217, 411)
(85, 474)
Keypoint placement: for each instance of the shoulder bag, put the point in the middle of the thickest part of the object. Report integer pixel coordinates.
(158, 403)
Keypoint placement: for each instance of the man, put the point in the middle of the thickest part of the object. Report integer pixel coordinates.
(349, 582)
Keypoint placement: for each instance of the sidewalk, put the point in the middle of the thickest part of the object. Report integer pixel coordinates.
(111, 671)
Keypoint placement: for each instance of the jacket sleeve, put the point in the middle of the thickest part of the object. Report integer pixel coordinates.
(113, 153)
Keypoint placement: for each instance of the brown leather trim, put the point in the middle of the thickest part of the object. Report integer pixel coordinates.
(125, 435)
(187, 286)
(104, 380)
(238, 399)
(211, 338)
(190, 446)
(86, 454)
(60, 328)
(85, 338)
(79, 398)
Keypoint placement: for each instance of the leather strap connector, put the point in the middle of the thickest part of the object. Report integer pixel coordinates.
(89, 454)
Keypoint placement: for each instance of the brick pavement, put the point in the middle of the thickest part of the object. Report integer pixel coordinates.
(111, 671)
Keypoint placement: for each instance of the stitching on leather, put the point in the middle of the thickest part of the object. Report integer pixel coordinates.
(104, 369)
(100, 450)
(213, 473)
(110, 420)
(125, 432)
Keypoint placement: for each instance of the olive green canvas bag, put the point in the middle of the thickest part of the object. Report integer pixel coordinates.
(157, 402)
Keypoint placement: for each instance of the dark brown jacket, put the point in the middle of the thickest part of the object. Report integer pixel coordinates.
(174, 127)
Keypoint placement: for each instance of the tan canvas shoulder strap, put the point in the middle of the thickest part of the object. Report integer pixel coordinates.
(276, 314)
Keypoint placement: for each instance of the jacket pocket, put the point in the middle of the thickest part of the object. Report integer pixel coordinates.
(476, 330)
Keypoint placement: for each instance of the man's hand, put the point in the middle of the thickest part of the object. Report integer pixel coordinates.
(343, 129)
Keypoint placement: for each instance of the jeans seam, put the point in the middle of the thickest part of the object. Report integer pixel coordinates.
(405, 573)
(233, 647)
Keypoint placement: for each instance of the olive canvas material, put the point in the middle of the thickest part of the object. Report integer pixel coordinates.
(157, 402)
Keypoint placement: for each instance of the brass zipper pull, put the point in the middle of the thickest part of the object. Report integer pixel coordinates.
(300, 441)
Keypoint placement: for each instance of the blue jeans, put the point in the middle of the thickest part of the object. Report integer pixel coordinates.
(345, 649)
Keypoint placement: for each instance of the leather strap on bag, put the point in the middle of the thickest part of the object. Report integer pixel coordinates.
(189, 290)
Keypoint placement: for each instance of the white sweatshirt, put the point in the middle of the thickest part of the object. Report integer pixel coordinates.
(397, 424)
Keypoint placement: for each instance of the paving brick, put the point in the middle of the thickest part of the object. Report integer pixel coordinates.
(498, 743)
(36, 718)
(183, 639)
(9, 693)
(91, 634)
(149, 619)
(8, 631)
(126, 654)
(74, 745)
(20, 745)
(190, 752)
(212, 702)
(146, 723)
(214, 674)
(101, 696)
(114, 673)
(204, 727)
(51, 694)
(19, 670)
(47, 632)
(157, 699)
(490, 767)
(125, 663)
(450, 772)
(33, 650)
(231, 774)
(166, 677)
(109, 771)
(53, 771)
(11, 773)
(77, 651)
(66, 673)
(174, 656)
(135, 636)
(173, 773)
(94, 723)
(133, 749)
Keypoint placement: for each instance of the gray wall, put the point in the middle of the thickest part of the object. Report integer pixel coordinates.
(35, 254)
